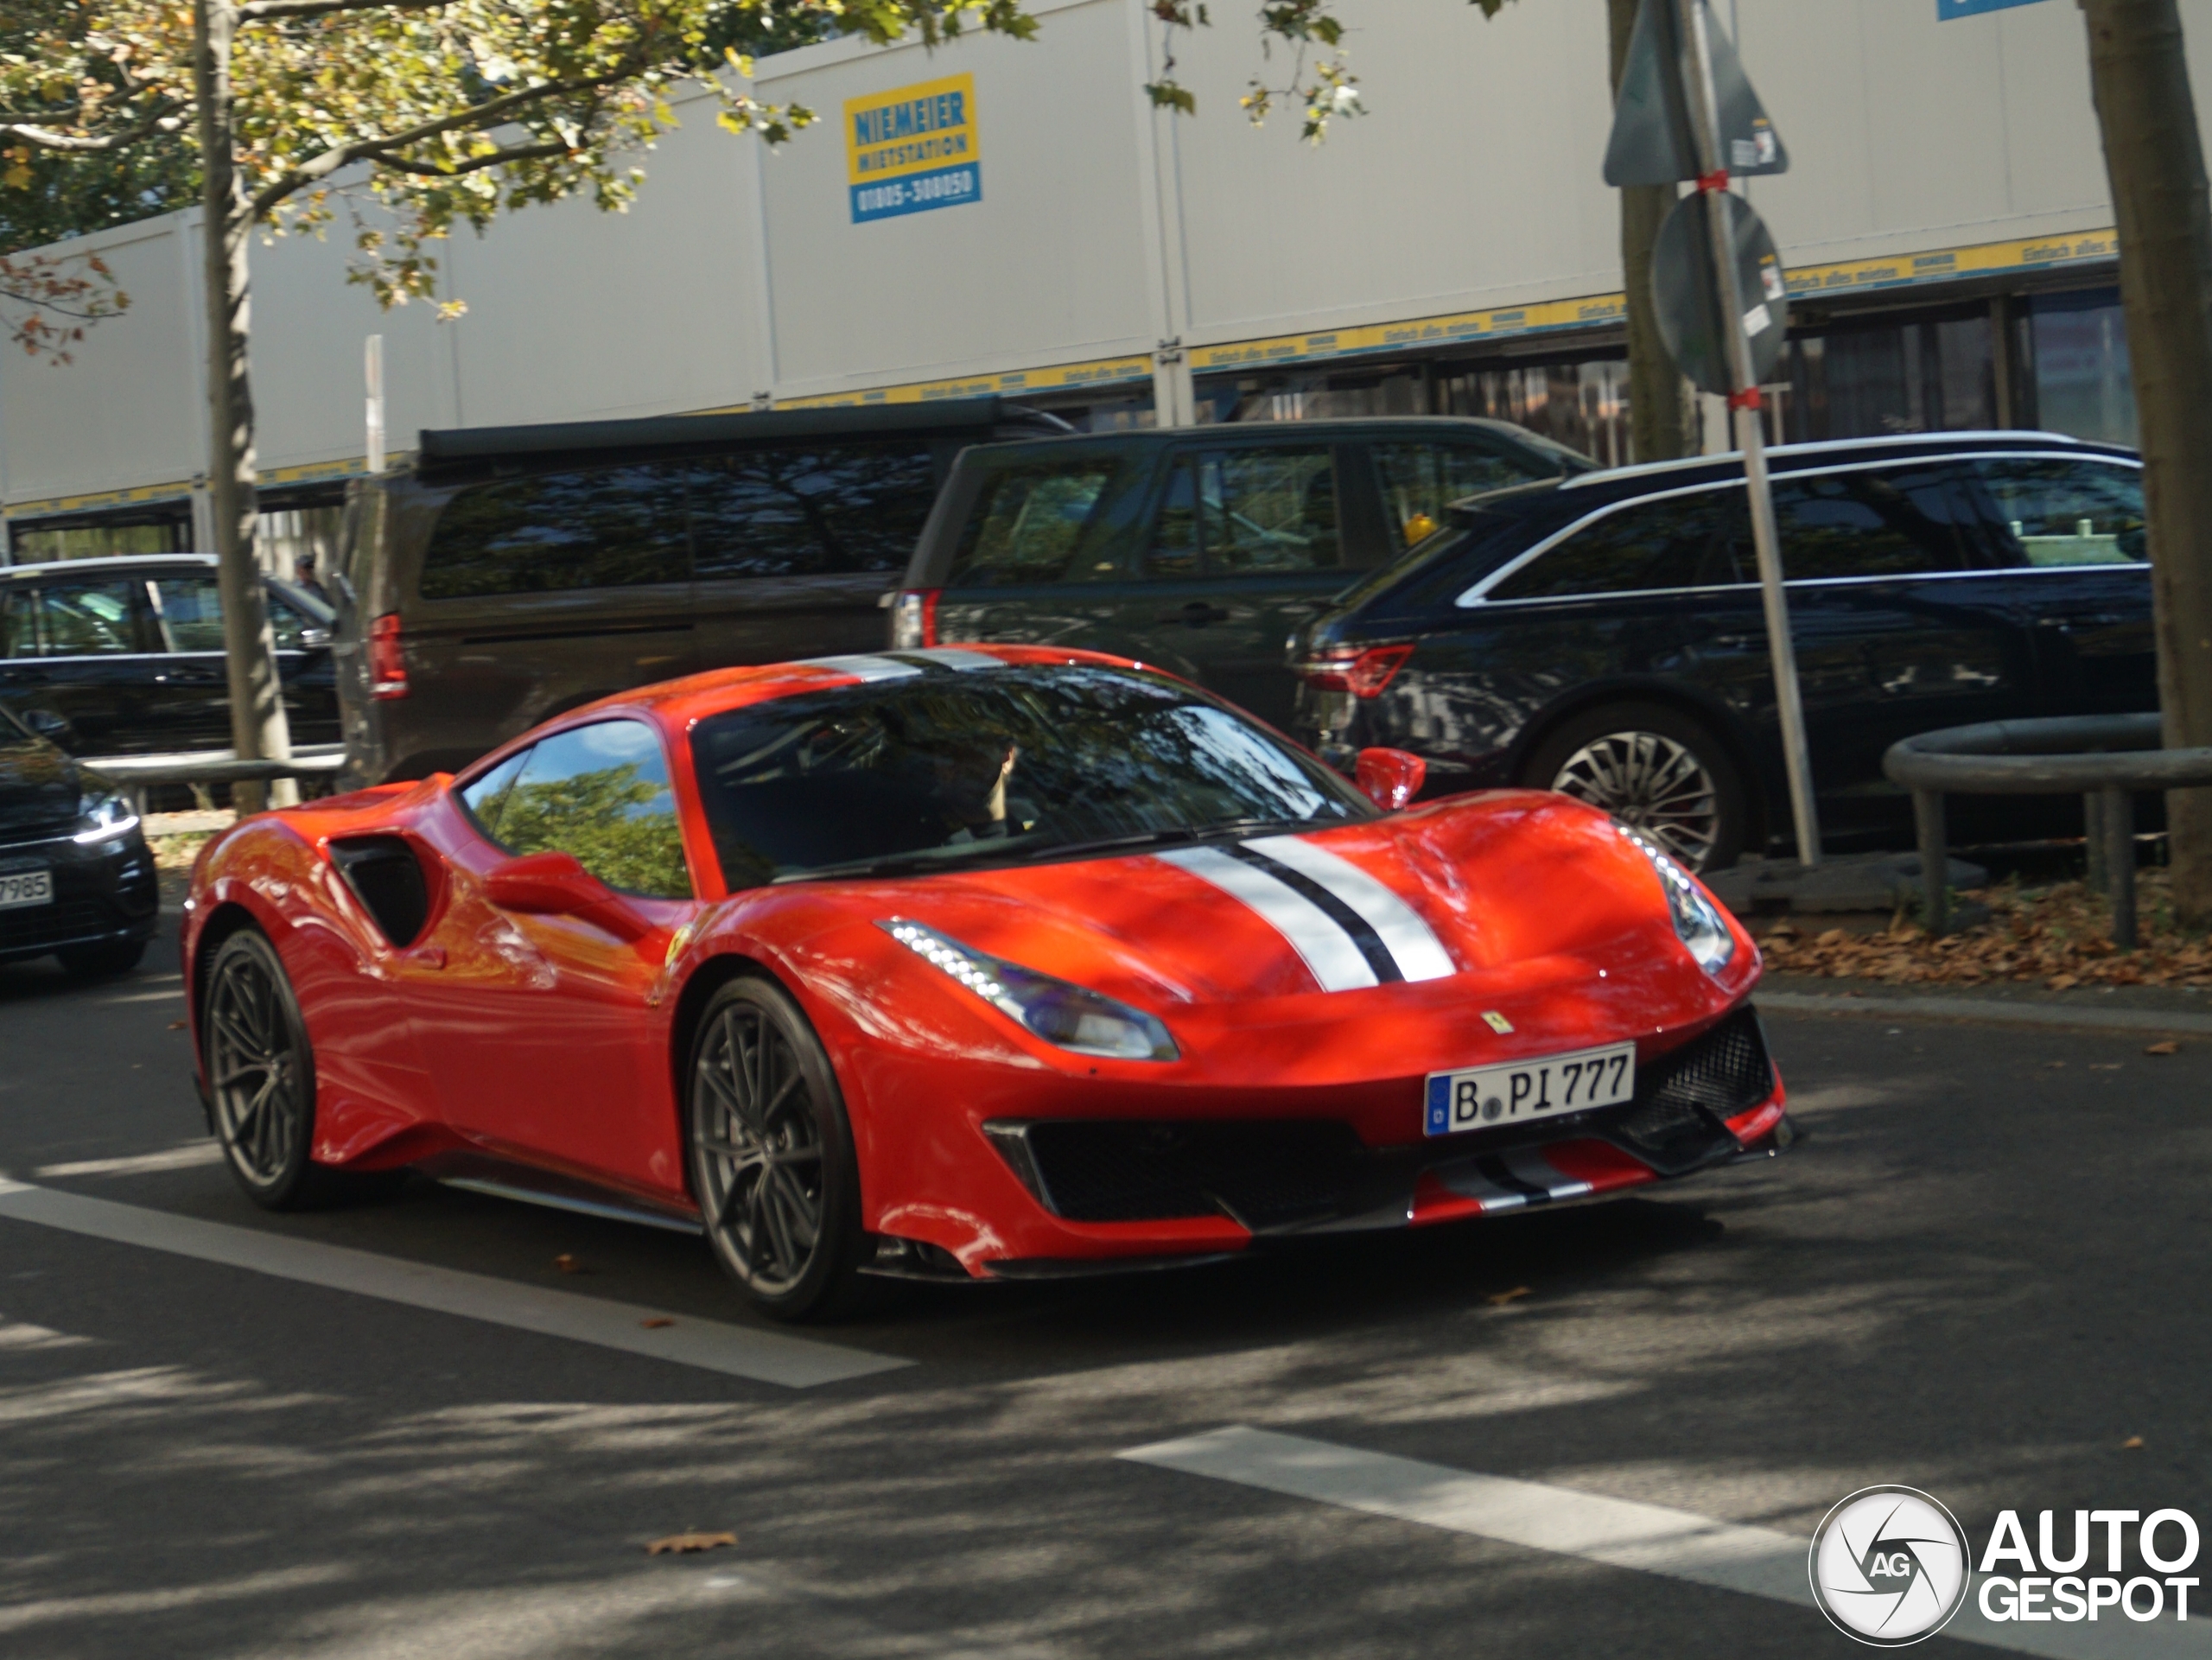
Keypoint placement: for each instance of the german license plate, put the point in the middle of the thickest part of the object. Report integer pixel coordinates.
(1485, 1098)
(21, 888)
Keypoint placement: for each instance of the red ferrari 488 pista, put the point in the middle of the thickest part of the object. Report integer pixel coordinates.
(984, 962)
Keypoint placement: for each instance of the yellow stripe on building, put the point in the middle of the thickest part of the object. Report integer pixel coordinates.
(1099, 372)
(1990, 259)
(1503, 322)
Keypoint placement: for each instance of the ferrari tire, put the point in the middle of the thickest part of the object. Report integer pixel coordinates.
(261, 1075)
(771, 1153)
(98, 962)
(1656, 770)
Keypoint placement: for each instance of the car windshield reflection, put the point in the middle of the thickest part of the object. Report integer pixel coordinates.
(996, 766)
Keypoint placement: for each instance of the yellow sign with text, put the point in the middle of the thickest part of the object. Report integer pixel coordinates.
(914, 148)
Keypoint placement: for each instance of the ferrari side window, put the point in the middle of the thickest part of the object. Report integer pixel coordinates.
(484, 797)
(599, 793)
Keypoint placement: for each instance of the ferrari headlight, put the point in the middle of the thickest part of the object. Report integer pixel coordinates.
(1701, 927)
(102, 818)
(1063, 1014)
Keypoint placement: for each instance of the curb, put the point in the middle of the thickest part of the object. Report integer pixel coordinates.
(1988, 1011)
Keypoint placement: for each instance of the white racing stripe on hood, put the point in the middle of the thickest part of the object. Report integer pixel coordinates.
(1332, 955)
(951, 657)
(1421, 955)
(861, 667)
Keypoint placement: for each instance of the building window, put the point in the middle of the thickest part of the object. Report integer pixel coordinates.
(38, 542)
(1871, 380)
(1582, 404)
(2082, 385)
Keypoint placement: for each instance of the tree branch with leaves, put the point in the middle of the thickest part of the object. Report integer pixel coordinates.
(413, 117)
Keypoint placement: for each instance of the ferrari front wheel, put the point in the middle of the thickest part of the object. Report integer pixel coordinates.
(771, 1154)
(260, 1072)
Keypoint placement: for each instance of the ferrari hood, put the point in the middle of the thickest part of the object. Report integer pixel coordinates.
(1455, 888)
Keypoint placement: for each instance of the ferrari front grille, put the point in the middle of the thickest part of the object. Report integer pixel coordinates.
(1262, 1174)
(1282, 1174)
(1675, 1123)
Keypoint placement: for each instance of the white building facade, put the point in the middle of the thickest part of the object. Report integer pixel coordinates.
(1017, 218)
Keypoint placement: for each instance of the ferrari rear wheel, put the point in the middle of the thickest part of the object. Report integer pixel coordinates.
(261, 1074)
(771, 1154)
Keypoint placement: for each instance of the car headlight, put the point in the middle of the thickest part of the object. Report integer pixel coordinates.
(102, 818)
(1065, 1015)
(1701, 927)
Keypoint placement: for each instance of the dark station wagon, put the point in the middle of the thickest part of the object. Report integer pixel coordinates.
(1196, 549)
(1605, 635)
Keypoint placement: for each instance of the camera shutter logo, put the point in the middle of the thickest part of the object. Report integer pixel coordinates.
(1889, 1566)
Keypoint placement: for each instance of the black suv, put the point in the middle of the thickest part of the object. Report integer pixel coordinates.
(1603, 635)
(1198, 548)
(124, 656)
(510, 573)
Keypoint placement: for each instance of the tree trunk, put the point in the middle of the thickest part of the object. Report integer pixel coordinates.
(2156, 163)
(1658, 414)
(258, 728)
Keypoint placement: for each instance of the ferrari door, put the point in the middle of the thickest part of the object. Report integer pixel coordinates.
(536, 1027)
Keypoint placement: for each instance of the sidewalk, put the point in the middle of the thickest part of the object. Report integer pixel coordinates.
(2154, 1010)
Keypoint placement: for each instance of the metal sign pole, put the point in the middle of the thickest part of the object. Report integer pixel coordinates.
(373, 367)
(1744, 403)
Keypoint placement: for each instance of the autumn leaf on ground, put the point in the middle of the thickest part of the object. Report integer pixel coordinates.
(677, 1544)
(1501, 1298)
(2132, 1444)
(176, 1025)
(2169, 1047)
(656, 1321)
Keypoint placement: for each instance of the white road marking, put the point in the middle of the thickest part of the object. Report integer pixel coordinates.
(1616, 1532)
(173, 1158)
(734, 1351)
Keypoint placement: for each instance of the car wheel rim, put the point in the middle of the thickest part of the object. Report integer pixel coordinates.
(1652, 784)
(254, 1070)
(759, 1140)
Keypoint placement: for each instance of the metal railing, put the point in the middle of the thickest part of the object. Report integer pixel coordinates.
(2105, 758)
(135, 775)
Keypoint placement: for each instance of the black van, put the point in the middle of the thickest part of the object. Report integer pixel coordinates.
(1199, 548)
(512, 573)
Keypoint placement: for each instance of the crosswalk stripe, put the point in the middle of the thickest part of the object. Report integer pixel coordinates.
(734, 1351)
(1617, 1532)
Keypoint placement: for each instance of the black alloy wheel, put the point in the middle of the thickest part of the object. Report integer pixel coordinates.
(260, 1073)
(1658, 772)
(771, 1154)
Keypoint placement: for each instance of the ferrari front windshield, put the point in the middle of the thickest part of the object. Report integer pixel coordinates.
(996, 766)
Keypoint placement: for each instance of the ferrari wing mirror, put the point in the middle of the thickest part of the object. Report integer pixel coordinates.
(1389, 778)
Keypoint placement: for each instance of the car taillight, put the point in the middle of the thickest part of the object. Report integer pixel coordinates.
(1347, 668)
(387, 659)
(914, 618)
